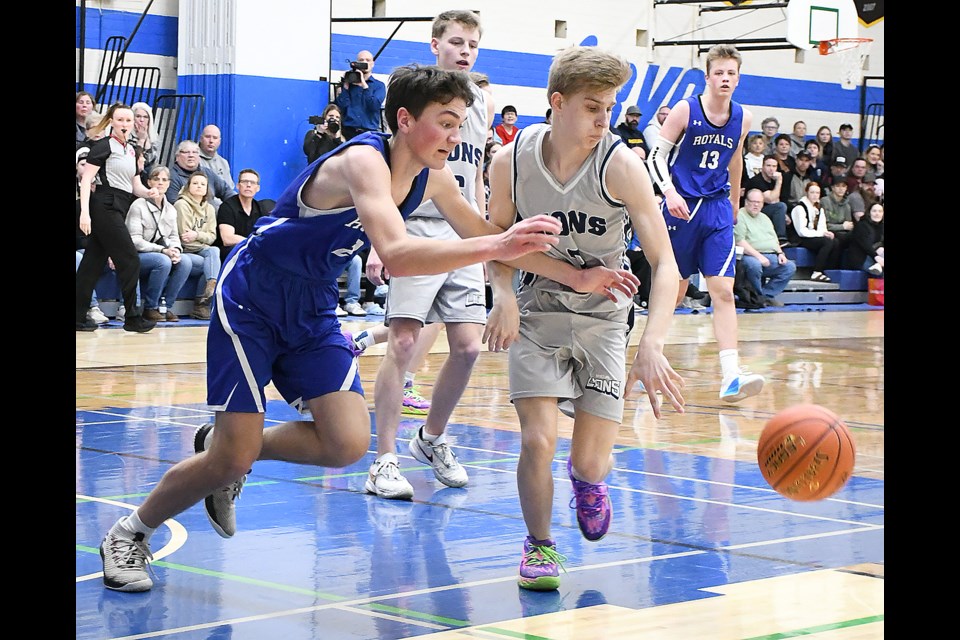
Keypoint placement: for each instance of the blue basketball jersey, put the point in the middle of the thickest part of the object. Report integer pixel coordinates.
(274, 315)
(701, 164)
(700, 172)
(317, 245)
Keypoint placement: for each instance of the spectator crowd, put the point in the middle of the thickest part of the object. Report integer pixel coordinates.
(817, 191)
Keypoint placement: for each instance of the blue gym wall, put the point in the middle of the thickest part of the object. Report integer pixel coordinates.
(264, 119)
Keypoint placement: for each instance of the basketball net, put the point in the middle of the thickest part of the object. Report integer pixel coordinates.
(851, 53)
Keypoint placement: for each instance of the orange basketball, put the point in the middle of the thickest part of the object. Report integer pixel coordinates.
(806, 452)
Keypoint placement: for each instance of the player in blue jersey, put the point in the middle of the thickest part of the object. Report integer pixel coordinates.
(701, 187)
(274, 311)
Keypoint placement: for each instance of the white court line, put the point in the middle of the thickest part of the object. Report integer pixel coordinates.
(350, 604)
(564, 480)
(178, 534)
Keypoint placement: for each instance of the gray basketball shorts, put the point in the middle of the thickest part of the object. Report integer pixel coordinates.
(455, 296)
(562, 354)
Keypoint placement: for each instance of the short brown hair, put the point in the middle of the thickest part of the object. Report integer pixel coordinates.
(464, 17)
(723, 52)
(415, 86)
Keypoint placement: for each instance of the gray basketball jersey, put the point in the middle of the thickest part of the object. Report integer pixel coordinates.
(467, 158)
(595, 226)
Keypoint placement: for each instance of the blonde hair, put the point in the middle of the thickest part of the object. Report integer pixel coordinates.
(151, 125)
(480, 79)
(93, 119)
(586, 69)
(107, 119)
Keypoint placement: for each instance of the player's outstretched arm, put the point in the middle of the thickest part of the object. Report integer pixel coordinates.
(600, 280)
(368, 179)
(628, 181)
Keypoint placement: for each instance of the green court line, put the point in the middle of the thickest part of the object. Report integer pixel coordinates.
(512, 634)
(820, 629)
(233, 577)
(418, 615)
(415, 615)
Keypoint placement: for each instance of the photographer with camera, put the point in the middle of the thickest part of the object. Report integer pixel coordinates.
(360, 97)
(326, 134)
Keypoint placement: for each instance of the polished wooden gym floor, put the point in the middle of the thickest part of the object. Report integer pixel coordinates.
(700, 546)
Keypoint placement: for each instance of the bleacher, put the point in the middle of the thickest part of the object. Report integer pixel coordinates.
(108, 295)
(109, 298)
(847, 286)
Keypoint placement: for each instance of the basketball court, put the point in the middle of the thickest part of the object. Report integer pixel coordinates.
(700, 546)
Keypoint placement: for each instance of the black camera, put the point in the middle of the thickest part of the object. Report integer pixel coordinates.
(353, 76)
(332, 125)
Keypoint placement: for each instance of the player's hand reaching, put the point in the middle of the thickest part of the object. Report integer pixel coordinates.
(538, 233)
(376, 272)
(607, 282)
(652, 369)
(503, 325)
(676, 205)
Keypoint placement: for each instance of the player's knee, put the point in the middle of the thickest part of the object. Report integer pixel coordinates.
(722, 295)
(227, 469)
(403, 344)
(537, 447)
(351, 446)
(466, 352)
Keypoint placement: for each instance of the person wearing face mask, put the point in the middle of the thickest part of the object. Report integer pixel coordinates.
(326, 135)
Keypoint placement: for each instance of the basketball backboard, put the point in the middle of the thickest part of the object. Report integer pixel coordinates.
(810, 21)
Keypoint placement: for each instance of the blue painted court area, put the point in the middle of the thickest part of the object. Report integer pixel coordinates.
(317, 557)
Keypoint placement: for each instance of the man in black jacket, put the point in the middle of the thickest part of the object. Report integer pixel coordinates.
(631, 133)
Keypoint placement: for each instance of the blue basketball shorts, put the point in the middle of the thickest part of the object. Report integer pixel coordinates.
(269, 325)
(704, 243)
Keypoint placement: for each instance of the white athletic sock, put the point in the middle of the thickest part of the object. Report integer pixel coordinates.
(408, 378)
(429, 437)
(729, 363)
(132, 525)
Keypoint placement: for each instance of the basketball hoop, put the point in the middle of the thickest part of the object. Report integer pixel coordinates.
(852, 53)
